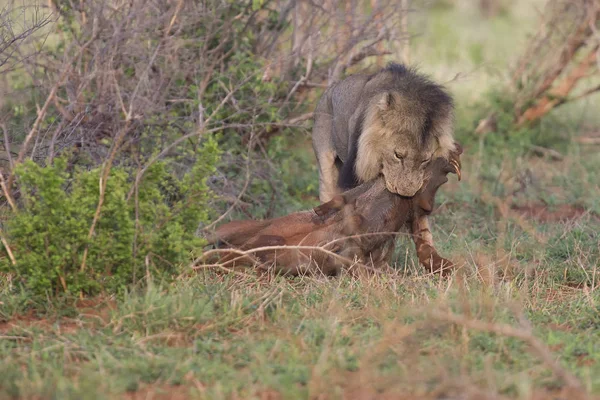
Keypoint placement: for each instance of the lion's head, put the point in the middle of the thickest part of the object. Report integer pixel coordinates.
(402, 133)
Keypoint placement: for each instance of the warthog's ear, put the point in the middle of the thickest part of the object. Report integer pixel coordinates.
(459, 149)
(326, 210)
(454, 160)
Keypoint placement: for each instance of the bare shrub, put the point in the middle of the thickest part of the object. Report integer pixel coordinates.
(561, 53)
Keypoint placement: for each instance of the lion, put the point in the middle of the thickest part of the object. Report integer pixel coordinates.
(390, 124)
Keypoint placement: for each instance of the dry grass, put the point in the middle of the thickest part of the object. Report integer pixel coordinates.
(396, 336)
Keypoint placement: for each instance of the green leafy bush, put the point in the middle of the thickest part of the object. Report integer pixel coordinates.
(152, 231)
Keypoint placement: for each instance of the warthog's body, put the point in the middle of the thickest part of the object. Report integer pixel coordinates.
(358, 225)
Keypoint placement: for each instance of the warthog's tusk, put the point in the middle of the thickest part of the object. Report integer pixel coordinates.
(456, 168)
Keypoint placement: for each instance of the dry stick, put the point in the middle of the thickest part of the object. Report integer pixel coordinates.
(507, 330)
(7, 194)
(7, 247)
(103, 180)
(140, 173)
(574, 43)
(309, 65)
(589, 91)
(53, 141)
(7, 147)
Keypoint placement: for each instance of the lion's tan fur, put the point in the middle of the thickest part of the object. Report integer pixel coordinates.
(381, 127)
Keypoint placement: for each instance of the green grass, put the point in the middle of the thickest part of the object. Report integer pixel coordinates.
(238, 336)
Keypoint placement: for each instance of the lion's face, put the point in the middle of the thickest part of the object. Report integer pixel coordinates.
(404, 165)
(400, 138)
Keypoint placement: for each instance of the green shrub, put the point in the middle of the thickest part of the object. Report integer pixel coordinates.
(154, 230)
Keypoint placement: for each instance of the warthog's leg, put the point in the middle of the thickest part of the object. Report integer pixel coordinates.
(420, 228)
(427, 254)
(328, 175)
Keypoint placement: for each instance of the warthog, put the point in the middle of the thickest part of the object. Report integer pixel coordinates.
(357, 227)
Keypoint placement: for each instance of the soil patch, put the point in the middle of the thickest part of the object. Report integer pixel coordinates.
(90, 311)
(159, 392)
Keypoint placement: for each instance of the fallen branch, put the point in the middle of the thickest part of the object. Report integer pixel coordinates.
(559, 94)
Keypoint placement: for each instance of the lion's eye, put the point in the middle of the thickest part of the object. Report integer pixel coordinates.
(398, 155)
(425, 162)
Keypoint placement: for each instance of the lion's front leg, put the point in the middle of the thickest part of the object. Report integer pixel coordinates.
(328, 175)
(426, 252)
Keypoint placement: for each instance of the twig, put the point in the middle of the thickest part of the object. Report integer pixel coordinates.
(587, 92)
(53, 141)
(309, 65)
(176, 142)
(405, 34)
(7, 146)
(239, 196)
(559, 94)
(6, 192)
(7, 247)
(121, 136)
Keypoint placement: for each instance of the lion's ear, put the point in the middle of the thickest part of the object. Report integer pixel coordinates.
(386, 101)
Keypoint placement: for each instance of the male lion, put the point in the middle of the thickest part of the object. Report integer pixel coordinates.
(389, 124)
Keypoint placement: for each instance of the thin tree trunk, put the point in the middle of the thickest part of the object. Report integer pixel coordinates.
(404, 32)
(375, 7)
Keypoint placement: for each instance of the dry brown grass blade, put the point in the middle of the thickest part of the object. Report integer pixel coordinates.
(504, 209)
(251, 252)
(542, 351)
